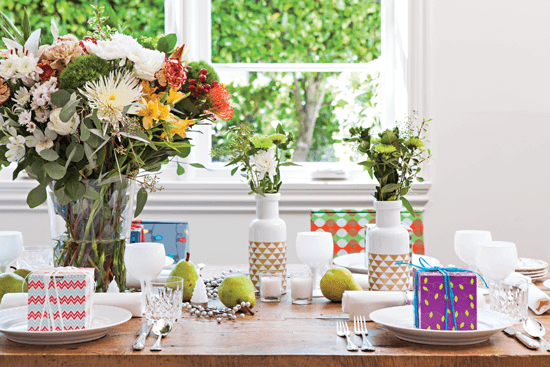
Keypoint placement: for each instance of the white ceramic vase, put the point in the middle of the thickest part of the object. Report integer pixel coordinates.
(387, 244)
(267, 239)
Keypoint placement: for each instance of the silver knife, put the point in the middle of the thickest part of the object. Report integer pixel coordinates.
(142, 333)
(527, 341)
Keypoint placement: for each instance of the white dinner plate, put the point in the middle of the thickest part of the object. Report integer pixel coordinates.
(534, 274)
(546, 283)
(526, 264)
(400, 321)
(13, 323)
(356, 262)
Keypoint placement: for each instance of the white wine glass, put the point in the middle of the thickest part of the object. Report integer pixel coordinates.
(11, 246)
(314, 249)
(144, 261)
(466, 245)
(496, 259)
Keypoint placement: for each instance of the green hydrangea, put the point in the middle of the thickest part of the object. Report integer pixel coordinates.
(414, 142)
(384, 149)
(82, 70)
(193, 72)
(278, 138)
(261, 141)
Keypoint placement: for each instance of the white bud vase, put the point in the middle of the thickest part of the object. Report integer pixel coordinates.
(267, 240)
(388, 244)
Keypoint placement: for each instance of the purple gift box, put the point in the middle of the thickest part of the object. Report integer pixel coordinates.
(432, 300)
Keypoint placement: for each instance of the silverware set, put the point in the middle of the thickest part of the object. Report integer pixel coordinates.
(360, 329)
(160, 328)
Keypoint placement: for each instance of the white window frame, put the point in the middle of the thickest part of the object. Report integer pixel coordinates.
(190, 20)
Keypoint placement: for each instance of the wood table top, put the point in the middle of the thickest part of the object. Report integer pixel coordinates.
(277, 335)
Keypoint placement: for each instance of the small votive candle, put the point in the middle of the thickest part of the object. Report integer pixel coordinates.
(301, 285)
(271, 285)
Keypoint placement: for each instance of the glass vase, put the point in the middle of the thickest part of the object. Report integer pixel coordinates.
(92, 231)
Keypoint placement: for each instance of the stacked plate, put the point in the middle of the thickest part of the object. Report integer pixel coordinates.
(536, 269)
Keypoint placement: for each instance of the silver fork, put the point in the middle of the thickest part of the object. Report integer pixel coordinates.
(343, 330)
(360, 328)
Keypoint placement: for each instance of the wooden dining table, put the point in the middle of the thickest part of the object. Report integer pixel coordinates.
(279, 334)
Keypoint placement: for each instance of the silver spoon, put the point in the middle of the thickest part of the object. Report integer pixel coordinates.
(534, 328)
(161, 328)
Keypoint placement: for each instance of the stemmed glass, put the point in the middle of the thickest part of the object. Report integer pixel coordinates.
(496, 259)
(11, 246)
(144, 261)
(314, 249)
(466, 245)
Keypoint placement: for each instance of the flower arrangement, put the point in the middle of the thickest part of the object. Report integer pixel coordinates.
(258, 157)
(394, 157)
(86, 117)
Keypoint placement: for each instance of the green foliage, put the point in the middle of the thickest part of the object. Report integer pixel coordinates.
(295, 31)
(394, 158)
(82, 70)
(141, 17)
(193, 72)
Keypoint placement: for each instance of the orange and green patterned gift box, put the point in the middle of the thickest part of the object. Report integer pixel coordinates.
(348, 228)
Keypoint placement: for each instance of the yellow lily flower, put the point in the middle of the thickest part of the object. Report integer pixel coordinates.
(182, 125)
(174, 96)
(150, 113)
(148, 91)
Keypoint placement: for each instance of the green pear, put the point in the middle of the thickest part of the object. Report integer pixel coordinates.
(336, 281)
(235, 290)
(12, 283)
(186, 270)
(23, 273)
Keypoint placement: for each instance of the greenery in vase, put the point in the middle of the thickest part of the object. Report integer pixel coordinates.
(394, 157)
(109, 108)
(258, 157)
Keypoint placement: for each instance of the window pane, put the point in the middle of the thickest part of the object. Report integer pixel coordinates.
(266, 99)
(142, 18)
(299, 31)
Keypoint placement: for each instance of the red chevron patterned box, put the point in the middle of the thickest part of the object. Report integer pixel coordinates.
(60, 299)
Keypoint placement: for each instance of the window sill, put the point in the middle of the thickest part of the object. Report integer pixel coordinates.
(177, 197)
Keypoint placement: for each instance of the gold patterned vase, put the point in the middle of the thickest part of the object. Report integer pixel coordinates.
(387, 245)
(267, 240)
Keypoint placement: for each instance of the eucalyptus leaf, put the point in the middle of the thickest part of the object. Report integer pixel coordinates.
(49, 154)
(84, 132)
(60, 98)
(141, 201)
(180, 170)
(37, 196)
(55, 170)
(234, 170)
(91, 193)
(198, 165)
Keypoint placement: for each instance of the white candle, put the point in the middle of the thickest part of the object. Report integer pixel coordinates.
(302, 287)
(271, 287)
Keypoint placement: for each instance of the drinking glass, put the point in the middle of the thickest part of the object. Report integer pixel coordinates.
(271, 286)
(144, 261)
(163, 299)
(510, 296)
(301, 285)
(466, 245)
(314, 249)
(36, 257)
(496, 259)
(11, 246)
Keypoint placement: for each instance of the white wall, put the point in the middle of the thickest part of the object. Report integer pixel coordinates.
(489, 97)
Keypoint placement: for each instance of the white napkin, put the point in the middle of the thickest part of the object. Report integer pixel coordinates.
(362, 303)
(127, 301)
(362, 280)
(539, 302)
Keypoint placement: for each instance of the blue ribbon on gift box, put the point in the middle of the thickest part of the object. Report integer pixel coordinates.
(424, 266)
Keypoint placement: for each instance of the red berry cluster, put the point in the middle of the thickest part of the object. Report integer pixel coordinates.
(198, 89)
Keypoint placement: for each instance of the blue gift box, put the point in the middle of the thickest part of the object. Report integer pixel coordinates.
(173, 235)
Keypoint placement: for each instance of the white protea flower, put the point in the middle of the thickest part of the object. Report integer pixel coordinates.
(110, 95)
(16, 148)
(25, 117)
(265, 163)
(22, 96)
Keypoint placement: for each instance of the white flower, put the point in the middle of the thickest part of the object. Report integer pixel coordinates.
(40, 140)
(110, 95)
(25, 117)
(61, 127)
(42, 115)
(31, 126)
(22, 96)
(106, 50)
(265, 163)
(8, 67)
(16, 148)
(41, 93)
(148, 64)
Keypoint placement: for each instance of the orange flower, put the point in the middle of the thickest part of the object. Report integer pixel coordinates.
(153, 112)
(174, 96)
(220, 101)
(148, 91)
(5, 91)
(181, 126)
(175, 73)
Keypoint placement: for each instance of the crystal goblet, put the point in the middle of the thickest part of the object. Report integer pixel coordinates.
(314, 249)
(11, 246)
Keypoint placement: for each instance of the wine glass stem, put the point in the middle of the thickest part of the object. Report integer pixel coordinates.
(143, 295)
(314, 273)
